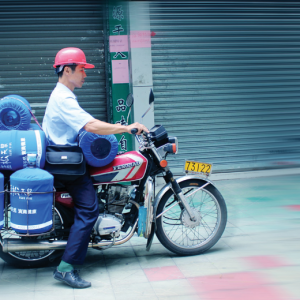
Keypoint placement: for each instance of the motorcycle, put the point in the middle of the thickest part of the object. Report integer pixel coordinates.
(188, 214)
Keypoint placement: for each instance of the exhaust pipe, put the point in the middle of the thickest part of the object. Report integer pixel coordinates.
(17, 245)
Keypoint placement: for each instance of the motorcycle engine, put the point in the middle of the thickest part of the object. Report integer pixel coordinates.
(107, 224)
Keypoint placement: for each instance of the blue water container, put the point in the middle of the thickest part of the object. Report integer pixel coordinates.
(16, 144)
(98, 150)
(1, 201)
(31, 213)
(14, 113)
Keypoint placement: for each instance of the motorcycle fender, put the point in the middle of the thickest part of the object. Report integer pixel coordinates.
(168, 186)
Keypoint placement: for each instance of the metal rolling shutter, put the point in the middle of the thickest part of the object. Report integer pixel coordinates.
(226, 81)
(32, 32)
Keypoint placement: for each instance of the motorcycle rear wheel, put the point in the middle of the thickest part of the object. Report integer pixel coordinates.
(31, 259)
(178, 233)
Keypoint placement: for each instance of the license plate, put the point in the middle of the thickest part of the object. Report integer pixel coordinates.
(196, 167)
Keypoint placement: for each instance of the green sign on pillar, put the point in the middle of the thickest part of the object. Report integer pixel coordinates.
(119, 69)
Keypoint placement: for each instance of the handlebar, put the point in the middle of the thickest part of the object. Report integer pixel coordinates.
(134, 130)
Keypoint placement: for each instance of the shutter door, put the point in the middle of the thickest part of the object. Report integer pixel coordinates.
(227, 81)
(32, 32)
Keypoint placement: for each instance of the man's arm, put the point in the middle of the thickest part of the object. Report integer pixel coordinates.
(100, 127)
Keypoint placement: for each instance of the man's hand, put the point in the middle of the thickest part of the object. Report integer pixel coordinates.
(100, 127)
(138, 126)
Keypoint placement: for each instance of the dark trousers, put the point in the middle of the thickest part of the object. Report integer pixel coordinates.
(86, 213)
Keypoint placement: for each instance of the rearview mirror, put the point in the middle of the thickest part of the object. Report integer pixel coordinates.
(129, 102)
(151, 97)
(151, 100)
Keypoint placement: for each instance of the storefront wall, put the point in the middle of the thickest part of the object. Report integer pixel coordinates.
(226, 81)
(32, 32)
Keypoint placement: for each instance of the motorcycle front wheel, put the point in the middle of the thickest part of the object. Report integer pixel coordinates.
(177, 232)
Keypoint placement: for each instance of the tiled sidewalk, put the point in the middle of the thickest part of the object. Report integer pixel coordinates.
(257, 258)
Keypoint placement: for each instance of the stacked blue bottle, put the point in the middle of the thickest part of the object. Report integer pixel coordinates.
(14, 113)
(98, 150)
(31, 213)
(1, 201)
(16, 144)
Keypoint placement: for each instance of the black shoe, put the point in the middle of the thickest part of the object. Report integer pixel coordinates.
(71, 278)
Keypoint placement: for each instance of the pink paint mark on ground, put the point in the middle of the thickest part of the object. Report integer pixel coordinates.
(235, 286)
(293, 207)
(163, 273)
(265, 262)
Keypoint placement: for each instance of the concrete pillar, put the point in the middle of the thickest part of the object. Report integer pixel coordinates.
(140, 61)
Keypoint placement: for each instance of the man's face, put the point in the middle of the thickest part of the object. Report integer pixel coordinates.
(76, 78)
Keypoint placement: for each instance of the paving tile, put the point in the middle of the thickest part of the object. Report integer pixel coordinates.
(11, 284)
(265, 261)
(106, 296)
(163, 273)
(289, 274)
(293, 257)
(156, 250)
(230, 265)
(198, 269)
(17, 295)
(149, 261)
(295, 207)
(180, 297)
(173, 288)
(292, 289)
(182, 260)
(48, 284)
(141, 241)
(236, 286)
(133, 291)
(95, 292)
(127, 276)
(66, 293)
(130, 263)
(47, 272)
(15, 273)
(99, 282)
(119, 252)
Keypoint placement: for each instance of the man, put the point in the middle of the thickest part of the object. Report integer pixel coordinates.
(62, 121)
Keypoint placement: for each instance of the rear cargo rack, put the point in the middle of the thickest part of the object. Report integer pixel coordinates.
(7, 209)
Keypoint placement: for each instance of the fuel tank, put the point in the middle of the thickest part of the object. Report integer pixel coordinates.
(129, 166)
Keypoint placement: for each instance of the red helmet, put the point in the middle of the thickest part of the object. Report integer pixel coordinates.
(68, 56)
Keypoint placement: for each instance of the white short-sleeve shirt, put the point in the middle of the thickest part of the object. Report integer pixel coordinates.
(64, 117)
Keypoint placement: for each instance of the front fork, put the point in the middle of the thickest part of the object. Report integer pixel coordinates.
(178, 192)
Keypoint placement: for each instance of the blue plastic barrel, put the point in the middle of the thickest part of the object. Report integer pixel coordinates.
(14, 113)
(16, 144)
(98, 150)
(31, 213)
(1, 200)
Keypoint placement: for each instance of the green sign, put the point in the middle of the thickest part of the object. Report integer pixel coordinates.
(118, 69)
